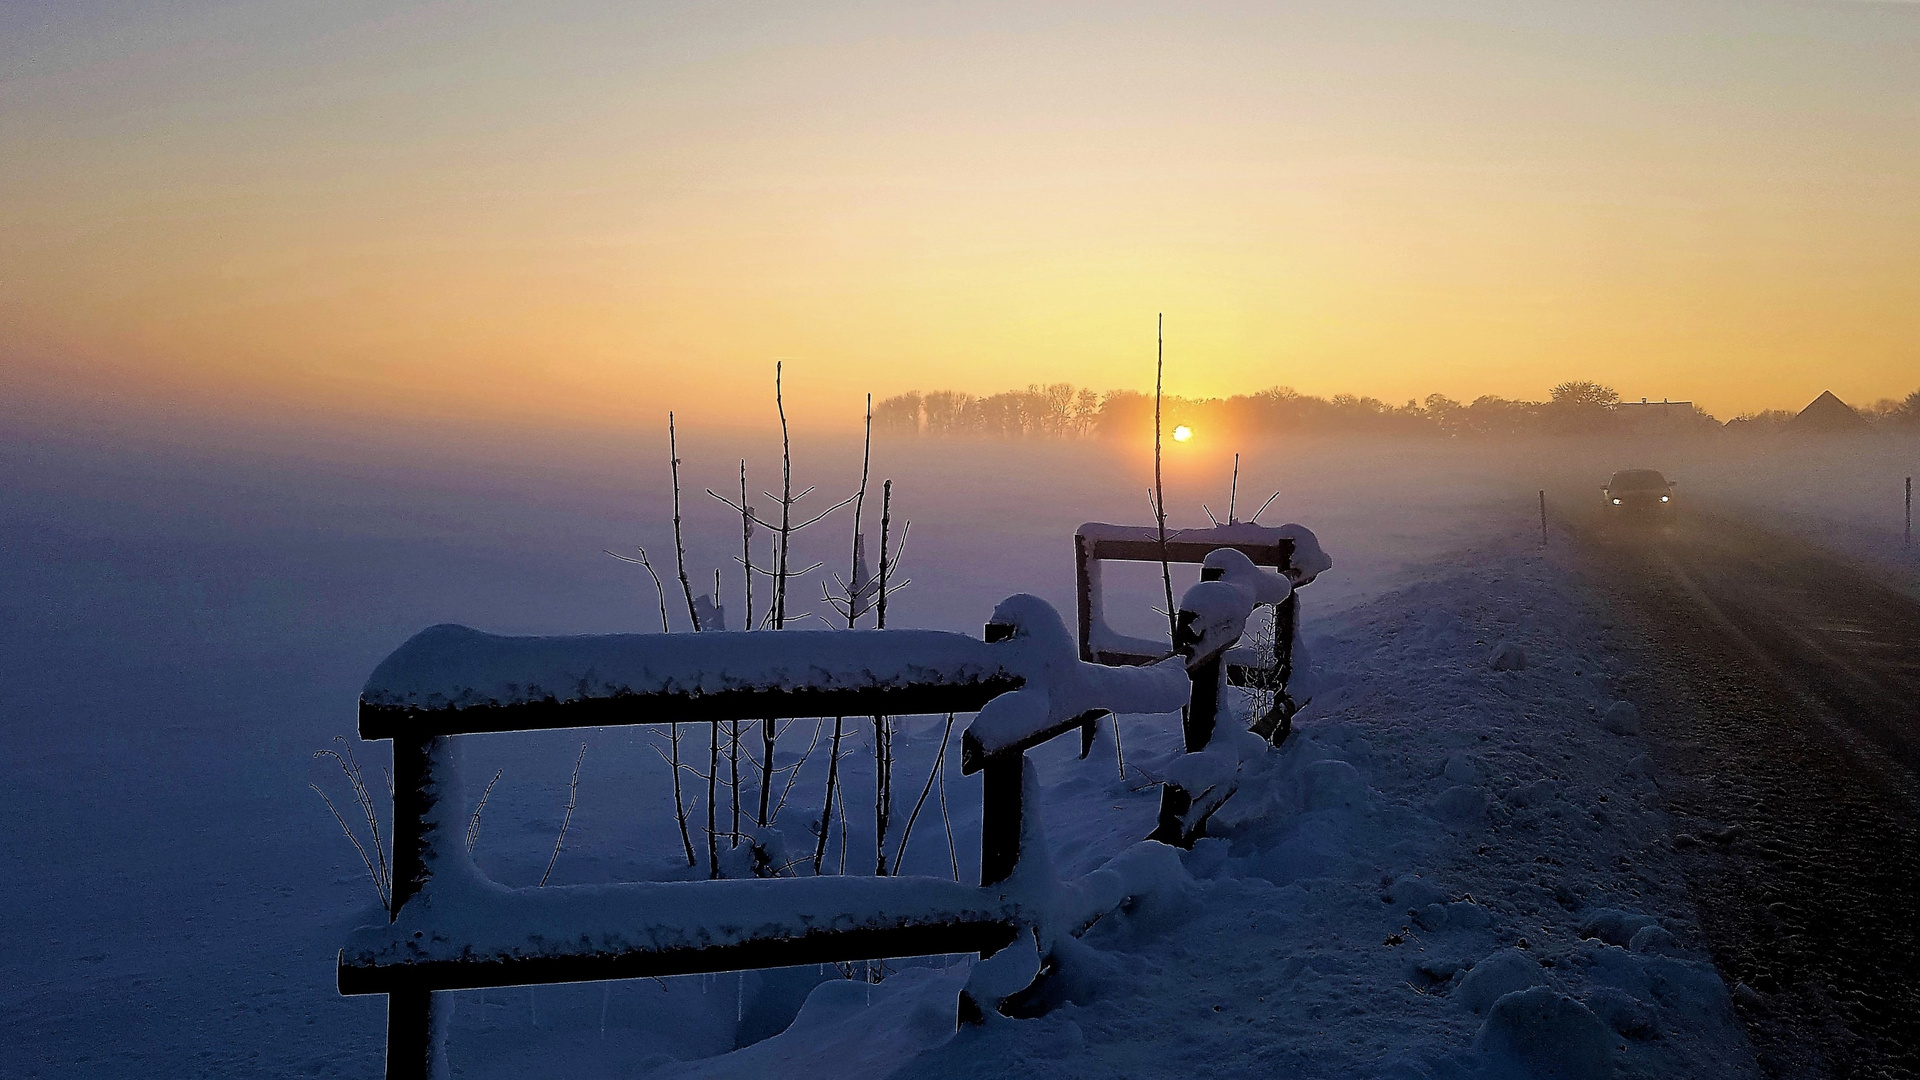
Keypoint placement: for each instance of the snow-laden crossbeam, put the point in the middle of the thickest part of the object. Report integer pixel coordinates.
(1292, 550)
(1291, 547)
(451, 679)
(466, 932)
(1061, 690)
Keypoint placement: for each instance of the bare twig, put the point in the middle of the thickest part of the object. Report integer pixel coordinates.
(573, 797)
(1233, 490)
(939, 759)
(826, 807)
(882, 790)
(842, 801)
(350, 766)
(1159, 490)
(746, 546)
(793, 774)
(786, 501)
(473, 823)
(713, 781)
(659, 592)
(1263, 506)
(822, 514)
(733, 776)
(886, 522)
(379, 883)
(953, 853)
(673, 729)
(679, 546)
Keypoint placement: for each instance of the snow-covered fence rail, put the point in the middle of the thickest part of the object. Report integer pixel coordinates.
(452, 928)
(1292, 550)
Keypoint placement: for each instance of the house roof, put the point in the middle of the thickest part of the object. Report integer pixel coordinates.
(1827, 414)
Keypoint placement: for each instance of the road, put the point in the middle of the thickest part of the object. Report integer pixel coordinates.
(1781, 694)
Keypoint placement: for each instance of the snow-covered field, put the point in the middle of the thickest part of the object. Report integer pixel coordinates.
(184, 627)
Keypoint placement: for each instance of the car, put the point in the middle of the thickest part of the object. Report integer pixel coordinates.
(1640, 494)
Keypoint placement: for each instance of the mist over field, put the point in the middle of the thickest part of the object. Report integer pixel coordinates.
(361, 365)
(186, 623)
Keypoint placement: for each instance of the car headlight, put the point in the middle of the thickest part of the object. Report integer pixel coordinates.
(1664, 498)
(1616, 502)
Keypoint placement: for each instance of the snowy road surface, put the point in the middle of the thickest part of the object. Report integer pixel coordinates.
(1783, 699)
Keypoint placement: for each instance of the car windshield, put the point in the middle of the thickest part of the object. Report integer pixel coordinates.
(1637, 480)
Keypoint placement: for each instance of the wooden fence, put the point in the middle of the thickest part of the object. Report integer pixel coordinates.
(445, 928)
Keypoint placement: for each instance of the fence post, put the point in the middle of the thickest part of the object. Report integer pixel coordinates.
(1286, 624)
(1907, 538)
(1543, 517)
(422, 775)
(1204, 704)
(1001, 778)
(1083, 598)
(412, 1043)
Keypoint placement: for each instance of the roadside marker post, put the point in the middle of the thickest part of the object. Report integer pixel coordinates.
(1907, 540)
(1543, 511)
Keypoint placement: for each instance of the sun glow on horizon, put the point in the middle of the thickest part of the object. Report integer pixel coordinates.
(562, 221)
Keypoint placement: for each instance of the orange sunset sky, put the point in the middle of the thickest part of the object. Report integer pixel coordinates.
(589, 213)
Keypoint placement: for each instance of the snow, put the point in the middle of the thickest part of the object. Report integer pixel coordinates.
(1342, 924)
(185, 629)
(1266, 587)
(450, 666)
(1059, 686)
(1308, 561)
(469, 918)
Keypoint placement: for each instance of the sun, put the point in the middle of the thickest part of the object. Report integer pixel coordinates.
(1182, 433)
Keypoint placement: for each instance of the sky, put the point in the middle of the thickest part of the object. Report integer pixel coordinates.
(580, 216)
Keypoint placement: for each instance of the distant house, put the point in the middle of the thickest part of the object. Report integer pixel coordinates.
(1645, 417)
(1827, 415)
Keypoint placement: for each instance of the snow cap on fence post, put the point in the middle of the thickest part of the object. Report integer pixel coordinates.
(1267, 587)
(1058, 688)
(1213, 615)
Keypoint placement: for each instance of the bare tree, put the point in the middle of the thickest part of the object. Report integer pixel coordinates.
(1159, 491)
(673, 729)
(679, 546)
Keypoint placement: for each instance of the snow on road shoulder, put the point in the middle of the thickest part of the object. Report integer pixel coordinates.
(1454, 868)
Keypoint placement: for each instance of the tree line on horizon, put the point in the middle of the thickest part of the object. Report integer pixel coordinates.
(1575, 407)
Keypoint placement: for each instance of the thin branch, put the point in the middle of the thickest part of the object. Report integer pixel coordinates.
(658, 591)
(886, 522)
(713, 781)
(350, 766)
(573, 795)
(900, 853)
(746, 545)
(379, 886)
(786, 499)
(679, 546)
(953, 853)
(1159, 490)
(679, 800)
(473, 823)
(794, 775)
(855, 586)
(826, 806)
(822, 514)
(1263, 507)
(1233, 490)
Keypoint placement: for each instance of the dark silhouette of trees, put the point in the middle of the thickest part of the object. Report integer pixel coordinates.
(1574, 407)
